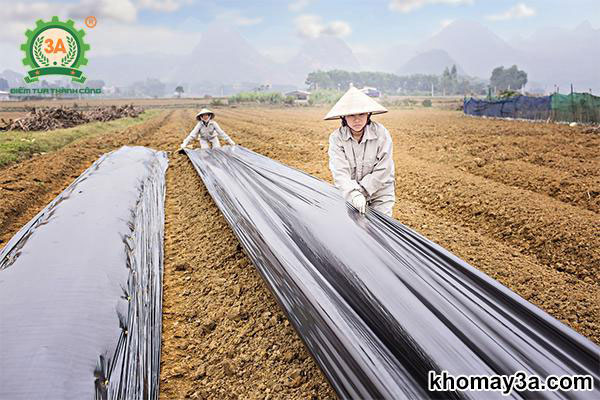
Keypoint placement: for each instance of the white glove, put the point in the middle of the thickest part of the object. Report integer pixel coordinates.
(231, 143)
(360, 202)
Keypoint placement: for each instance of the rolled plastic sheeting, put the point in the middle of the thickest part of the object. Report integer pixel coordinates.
(377, 304)
(81, 287)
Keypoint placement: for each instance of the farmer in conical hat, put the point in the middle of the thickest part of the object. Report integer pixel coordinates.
(207, 131)
(360, 153)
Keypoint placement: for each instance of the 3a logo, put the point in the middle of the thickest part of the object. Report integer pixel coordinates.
(55, 48)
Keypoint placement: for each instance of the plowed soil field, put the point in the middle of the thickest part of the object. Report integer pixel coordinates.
(518, 200)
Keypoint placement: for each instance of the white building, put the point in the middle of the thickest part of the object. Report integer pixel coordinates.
(298, 94)
(371, 91)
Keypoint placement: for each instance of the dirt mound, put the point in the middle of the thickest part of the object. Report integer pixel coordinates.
(45, 119)
(104, 114)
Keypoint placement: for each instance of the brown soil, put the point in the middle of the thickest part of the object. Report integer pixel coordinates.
(518, 200)
(224, 335)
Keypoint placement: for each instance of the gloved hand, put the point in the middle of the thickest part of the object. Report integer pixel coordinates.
(360, 202)
(231, 143)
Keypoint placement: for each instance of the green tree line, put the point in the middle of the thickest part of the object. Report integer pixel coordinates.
(449, 83)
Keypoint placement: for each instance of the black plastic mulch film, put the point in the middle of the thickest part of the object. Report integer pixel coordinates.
(81, 287)
(377, 304)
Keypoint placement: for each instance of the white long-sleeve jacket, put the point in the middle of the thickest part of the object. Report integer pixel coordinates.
(366, 167)
(207, 132)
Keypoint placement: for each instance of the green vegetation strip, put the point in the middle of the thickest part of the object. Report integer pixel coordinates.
(257, 97)
(324, 96)
(17, 146)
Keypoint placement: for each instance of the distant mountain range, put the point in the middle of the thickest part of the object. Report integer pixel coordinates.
(552, 56)
(562, 56)
(224, 56)
(477, 49)
(430, 62)
(324, 53)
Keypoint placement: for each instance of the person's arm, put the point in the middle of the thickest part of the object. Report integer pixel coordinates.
(383, 169)
(340, 169)
(192, 135)
(222, 134)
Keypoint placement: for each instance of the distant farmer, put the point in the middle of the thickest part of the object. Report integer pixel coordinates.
(206, 130)
(360, 153)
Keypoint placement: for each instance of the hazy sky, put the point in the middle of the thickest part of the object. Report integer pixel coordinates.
(278, 28)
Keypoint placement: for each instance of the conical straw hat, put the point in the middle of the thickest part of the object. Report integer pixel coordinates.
(355, 102)
(205, 111)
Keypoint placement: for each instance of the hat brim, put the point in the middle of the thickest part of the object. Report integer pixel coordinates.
(332, 117)
(199, 115)
(354, 102)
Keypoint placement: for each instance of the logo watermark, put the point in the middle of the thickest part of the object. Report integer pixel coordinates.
(54, 91)
(55, 48)
(520, 381)
(90, 21)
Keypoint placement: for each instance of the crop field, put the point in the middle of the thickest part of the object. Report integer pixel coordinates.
(520, 201)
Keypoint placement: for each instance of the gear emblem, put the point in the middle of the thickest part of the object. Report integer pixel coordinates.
(55, 48)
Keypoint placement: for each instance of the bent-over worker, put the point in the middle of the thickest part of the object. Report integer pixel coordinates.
(207, 131)
(360, 153)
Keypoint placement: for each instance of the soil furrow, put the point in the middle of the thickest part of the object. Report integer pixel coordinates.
(35, 182)
(224, 336)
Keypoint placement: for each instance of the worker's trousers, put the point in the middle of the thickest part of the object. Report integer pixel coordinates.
(214, 142)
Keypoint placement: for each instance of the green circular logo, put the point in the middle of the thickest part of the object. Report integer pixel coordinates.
(55, 48)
